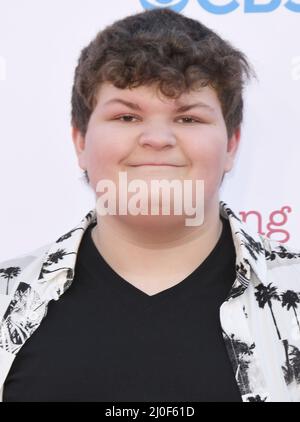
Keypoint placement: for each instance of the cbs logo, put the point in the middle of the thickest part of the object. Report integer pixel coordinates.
(249, 6)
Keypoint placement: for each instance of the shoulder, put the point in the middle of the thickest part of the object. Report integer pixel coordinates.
(47, 261)
(13, 269)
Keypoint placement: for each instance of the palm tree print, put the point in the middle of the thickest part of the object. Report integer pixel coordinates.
(290, 299)
(9, 273)
(253, 247)
(54, 258)
(58, 255)
(16, 326)
(16, 330)
(68, 235)
(265, 295)
(256, 398)
(229, 211)
(241, 268)
(241, 272)
(282, 253)
(239, 353)
(235, 292)
(295, 362)
(89, 216)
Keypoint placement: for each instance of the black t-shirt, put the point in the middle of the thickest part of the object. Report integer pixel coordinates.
(106, 340)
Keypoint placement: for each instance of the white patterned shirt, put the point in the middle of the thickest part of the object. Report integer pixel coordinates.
(260, 318)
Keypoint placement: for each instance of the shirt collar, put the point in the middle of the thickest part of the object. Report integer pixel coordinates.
(62, 254)
(249, 248)
(250, 251)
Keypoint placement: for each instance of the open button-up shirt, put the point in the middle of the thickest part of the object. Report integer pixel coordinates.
(260, 318)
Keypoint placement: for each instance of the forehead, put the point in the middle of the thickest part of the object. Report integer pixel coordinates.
(146, 96)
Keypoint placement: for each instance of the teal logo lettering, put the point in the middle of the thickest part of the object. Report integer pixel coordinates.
(176, 5)
(250, 6)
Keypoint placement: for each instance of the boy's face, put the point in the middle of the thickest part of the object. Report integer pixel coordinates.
(194, 141)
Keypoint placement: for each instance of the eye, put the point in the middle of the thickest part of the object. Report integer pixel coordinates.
(126, 116)
(189, 118)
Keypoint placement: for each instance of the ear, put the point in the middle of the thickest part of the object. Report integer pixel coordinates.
(232, 148)
(79, 145)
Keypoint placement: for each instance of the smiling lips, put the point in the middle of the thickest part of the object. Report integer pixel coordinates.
(156, 164)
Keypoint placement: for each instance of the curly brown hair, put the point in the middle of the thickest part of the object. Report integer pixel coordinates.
(160, 46)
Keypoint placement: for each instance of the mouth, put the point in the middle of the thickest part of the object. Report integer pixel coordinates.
(155, 165)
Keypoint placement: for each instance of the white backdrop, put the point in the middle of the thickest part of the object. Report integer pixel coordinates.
(42, 193)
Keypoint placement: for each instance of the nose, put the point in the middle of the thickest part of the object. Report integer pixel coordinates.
(157, 136)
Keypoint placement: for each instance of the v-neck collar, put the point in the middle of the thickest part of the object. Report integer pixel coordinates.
(95, 263)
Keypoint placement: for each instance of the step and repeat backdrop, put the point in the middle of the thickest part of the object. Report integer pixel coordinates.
(41, 186)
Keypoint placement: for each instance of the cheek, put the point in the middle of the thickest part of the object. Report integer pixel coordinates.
(208, 154)
(105, 150)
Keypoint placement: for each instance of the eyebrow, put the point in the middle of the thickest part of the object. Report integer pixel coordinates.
(182, 108)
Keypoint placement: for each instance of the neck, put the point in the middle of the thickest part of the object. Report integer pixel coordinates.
(155, 256)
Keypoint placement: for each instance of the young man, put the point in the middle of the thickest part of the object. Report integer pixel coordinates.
(142, 307)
